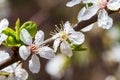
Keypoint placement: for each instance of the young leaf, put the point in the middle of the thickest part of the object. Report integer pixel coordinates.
(31, 27)
(11, 40)
(17, 28)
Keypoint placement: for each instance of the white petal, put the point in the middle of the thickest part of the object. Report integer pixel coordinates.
(68, 28)
(81, 13)
(4, 56)
(104, 20)
(39, 37)
(87, 1)
(66, 49)
(10, 68)
(21, 74)
(86, 14)
(24, 52)
(25, 37)
(56, 44)
(113, 4)
(46, 52)
(55, 36)
(96, 1)
(34, 64)
(3, 37)
(88, 28)
(72, 3)
(3, 24)
(77, 38)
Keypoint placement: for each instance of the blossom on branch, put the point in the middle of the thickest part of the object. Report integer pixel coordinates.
(34, 48)
(67, 33)
(98, 6)
(14, 72)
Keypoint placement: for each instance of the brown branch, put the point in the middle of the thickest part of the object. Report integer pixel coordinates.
(49, 41)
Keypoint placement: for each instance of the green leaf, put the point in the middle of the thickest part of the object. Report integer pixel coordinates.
(77, 47)
(31, 27)
(17, 28)
(9, 32)
(11, 40)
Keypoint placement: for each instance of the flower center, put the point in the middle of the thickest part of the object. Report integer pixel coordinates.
(33, 48)
(63, 35)
(102, 3)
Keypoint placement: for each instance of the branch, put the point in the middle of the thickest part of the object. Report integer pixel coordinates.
(49, 41)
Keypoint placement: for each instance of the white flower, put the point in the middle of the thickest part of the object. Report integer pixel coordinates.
(34, 49)
(99, 6)
(3, 25)
(67, 33)
(16, 72)
(55, 66)
(72, 3)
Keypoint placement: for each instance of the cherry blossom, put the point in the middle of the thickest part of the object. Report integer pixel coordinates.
(63, 35)
(99, 6)
(33, 49)
(3, 25)
(15, 71)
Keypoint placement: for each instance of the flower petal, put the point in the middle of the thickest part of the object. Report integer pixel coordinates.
(3, 24)
(87, 13)
(4, 56)
(25, 37)
(3, 37)
(72, 3)
(46, 52)
(113, 4)
(81, 13)
(66, 49)
(104, 20)
(34, 64)
(24, 52)
(77, 38)
(11, 68)
(39, 37)
(88, 28)
(68, 28)
(21, 74)
(87, 1)
(56, 44)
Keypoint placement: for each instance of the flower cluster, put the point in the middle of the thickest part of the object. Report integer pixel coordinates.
(98, 6)
(35, 48)
(14, 72)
